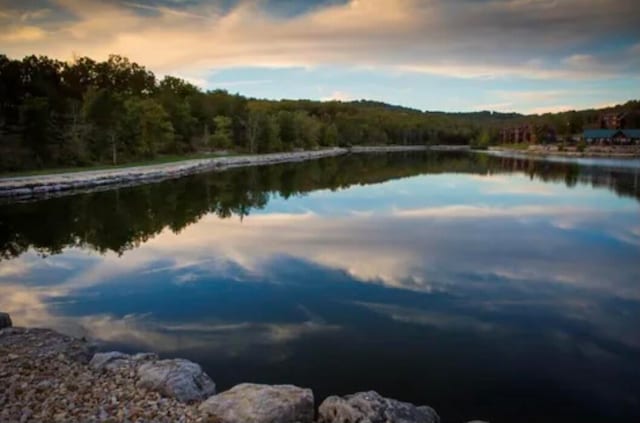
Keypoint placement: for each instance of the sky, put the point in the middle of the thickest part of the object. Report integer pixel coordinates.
(528, 56)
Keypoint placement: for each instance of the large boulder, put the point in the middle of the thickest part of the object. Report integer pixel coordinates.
(5, 320)
(371, 407)
(109, 360)
(252, 403)
(181, 379)
(115, 360)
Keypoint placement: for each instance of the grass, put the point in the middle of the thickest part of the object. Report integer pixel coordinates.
(154, 161)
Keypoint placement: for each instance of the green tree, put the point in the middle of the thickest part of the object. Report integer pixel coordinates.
(104, 111)
(222, 136)
(330, 135)
(148, 128)
(269, 134)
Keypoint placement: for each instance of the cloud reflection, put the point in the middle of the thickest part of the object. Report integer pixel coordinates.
(467, 248)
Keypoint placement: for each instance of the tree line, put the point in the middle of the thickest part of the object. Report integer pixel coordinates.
(87, 112)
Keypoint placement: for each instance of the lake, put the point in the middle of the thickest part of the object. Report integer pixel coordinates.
(489, 287)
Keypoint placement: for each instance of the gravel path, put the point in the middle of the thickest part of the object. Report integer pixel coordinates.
(44, 377)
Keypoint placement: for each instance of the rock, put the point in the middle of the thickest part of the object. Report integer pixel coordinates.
(5, 320)
(252, 403)
(178, 378)
(371, 407)
(115, 360)
(109, 360)
(140, 357)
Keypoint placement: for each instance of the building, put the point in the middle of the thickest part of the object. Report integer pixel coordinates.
(529, 134)
(613, 121)
(518, 134)
(612, 136)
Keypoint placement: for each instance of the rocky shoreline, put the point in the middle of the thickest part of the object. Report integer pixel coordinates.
(49, 377)
(40, 186)
(26, 188)
(612, 152)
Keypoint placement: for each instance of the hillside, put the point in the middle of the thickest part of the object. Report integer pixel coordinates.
(59, 114)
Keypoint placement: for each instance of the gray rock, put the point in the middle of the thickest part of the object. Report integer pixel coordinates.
(115, 360)
(178, 378)
(5, 320)
(371, 407)
(252, 403)
(140, 357)
(109, 360)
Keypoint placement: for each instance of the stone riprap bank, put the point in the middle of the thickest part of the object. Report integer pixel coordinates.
(49, 377)
(46, 185)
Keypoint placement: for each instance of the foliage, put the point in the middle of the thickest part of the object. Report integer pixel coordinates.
(582, 145)
(482, 141)
(59, 114)
(222, 136)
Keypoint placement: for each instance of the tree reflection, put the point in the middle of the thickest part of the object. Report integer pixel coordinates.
(122, 219)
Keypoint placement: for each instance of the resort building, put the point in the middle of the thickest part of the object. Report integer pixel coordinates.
(613, 121)
(518, 134)
(528, 133)
(612, 136)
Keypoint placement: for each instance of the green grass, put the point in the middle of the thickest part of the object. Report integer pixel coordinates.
(154, 161)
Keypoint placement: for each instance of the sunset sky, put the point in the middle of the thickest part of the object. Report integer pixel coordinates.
(528, 56)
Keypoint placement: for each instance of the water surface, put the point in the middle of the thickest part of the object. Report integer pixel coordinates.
(493, 288)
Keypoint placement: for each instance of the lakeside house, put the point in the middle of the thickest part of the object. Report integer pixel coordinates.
(612, 136)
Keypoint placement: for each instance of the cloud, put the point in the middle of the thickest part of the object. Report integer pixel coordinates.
(431, 249)
(338, 96)
(223, 338)
(532, 101)
(22, 34)
(551, 109)
(470, 39)
(464, 211)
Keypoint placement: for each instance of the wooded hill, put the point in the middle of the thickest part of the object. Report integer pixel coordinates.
(60, 114)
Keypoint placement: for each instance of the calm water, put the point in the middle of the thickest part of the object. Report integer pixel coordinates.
(488, 287)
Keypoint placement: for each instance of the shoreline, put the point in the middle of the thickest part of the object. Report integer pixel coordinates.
(42, 186)
(554, 152)
(25, 188)
(47, 376)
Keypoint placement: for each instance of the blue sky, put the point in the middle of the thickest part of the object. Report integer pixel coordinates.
(529, 56)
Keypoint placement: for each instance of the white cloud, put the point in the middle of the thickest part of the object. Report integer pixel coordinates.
(448, 38)
(338, 96)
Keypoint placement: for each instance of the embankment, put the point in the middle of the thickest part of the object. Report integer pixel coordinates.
(43, 186)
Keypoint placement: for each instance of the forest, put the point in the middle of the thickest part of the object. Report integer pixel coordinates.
(87, 112)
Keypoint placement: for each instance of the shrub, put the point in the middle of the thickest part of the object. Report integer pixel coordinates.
(582, 145)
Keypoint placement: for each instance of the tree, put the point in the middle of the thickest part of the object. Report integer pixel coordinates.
(482, 141)
(222, 135)
(330, 135)
(175, 96)
(269, 134)
(56, 113)
(252, 129)
(104, 111)
(148, 128)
